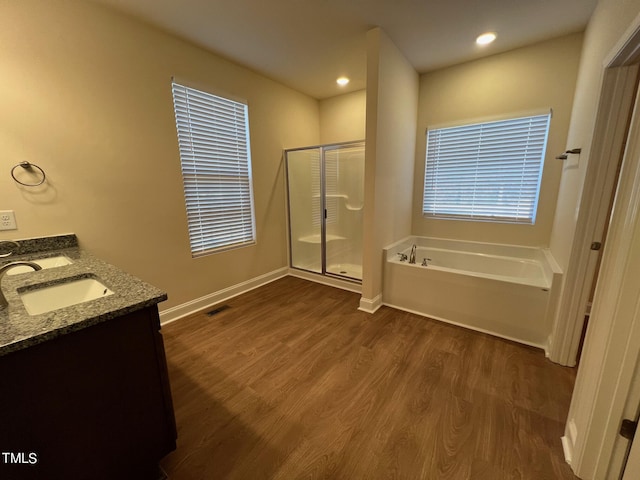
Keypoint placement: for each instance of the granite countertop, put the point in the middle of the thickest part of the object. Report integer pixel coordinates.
(19, 329)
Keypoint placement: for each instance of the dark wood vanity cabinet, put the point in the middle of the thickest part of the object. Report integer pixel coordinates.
(91, 404)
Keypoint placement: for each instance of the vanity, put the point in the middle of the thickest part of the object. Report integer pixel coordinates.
(84, 389)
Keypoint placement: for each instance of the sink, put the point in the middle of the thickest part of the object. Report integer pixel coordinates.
(63, 295)
(49, 262)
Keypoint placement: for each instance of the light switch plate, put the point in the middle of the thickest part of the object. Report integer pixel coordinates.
(7, 220)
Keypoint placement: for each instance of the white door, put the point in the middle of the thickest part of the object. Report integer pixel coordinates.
(632, 470)
(604, 392)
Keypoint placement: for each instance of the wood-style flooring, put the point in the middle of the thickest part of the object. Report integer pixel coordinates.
(292, 381)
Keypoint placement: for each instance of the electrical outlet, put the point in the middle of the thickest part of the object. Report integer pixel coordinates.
(7, 220)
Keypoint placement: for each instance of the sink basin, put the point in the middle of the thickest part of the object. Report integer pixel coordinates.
(63, 295)
(49, 262)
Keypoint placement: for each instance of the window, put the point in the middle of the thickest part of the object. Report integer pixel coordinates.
(486, 171)
(213, 136)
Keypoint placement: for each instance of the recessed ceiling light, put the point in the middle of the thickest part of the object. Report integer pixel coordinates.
(342, 81)
(486, 38)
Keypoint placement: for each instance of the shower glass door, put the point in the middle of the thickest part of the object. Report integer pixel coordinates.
(326, 199)
(305, 209)
(344, 200)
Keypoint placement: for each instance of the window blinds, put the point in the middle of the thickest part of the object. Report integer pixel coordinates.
(213, 137)
(486, 171)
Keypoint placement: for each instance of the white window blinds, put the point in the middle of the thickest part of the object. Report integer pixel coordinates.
(486, 171)
(213, 136)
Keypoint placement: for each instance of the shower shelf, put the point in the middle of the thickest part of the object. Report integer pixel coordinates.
(317, 239)
(346, 201)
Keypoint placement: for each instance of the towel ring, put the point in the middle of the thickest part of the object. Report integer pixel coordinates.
(28, 166)
(13, 244)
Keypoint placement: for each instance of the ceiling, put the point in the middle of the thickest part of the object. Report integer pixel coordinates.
(307, 44)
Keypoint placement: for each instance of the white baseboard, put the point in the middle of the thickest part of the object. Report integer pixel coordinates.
(174, 313)
(370, 305)
(547, 347)
(567, 449)
(569, 440)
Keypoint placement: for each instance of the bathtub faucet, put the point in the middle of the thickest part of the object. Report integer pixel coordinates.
(412, 256)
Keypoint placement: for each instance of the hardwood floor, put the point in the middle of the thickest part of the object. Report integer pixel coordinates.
(291, 381)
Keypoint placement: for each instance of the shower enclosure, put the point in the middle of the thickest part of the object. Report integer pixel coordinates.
(326, 198)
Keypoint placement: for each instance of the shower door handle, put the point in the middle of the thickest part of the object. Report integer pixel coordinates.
(325, 213)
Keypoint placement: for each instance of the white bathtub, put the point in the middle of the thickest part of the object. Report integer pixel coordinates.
(505, 290)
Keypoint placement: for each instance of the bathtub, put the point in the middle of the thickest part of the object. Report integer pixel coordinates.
(504, 290)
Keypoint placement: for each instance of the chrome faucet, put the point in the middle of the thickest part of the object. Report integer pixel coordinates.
(412, 256)
(7, 267)
(15, 246)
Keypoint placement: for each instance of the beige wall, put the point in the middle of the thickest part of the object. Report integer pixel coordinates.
(342, 118)
(391, 111)
(85, 94)
(524, 80)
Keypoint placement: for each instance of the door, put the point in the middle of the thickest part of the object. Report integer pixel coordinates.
(305, 209)
(606, 390)
(632, 470)
(326, 201)
(344, 203)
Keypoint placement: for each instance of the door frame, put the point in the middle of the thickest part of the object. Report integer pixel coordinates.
(612, 344)
(610, 133)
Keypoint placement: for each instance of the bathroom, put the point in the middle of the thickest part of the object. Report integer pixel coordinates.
(140, 204)
(95, 112)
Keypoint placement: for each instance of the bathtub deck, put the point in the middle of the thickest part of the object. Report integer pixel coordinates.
(292, 381)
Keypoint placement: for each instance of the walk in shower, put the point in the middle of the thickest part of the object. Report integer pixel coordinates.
(326, 200)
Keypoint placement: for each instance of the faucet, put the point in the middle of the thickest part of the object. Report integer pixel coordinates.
(7, 267)
(15, 246)
(412, 256)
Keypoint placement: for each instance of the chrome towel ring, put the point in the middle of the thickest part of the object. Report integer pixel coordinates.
(28, 166)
